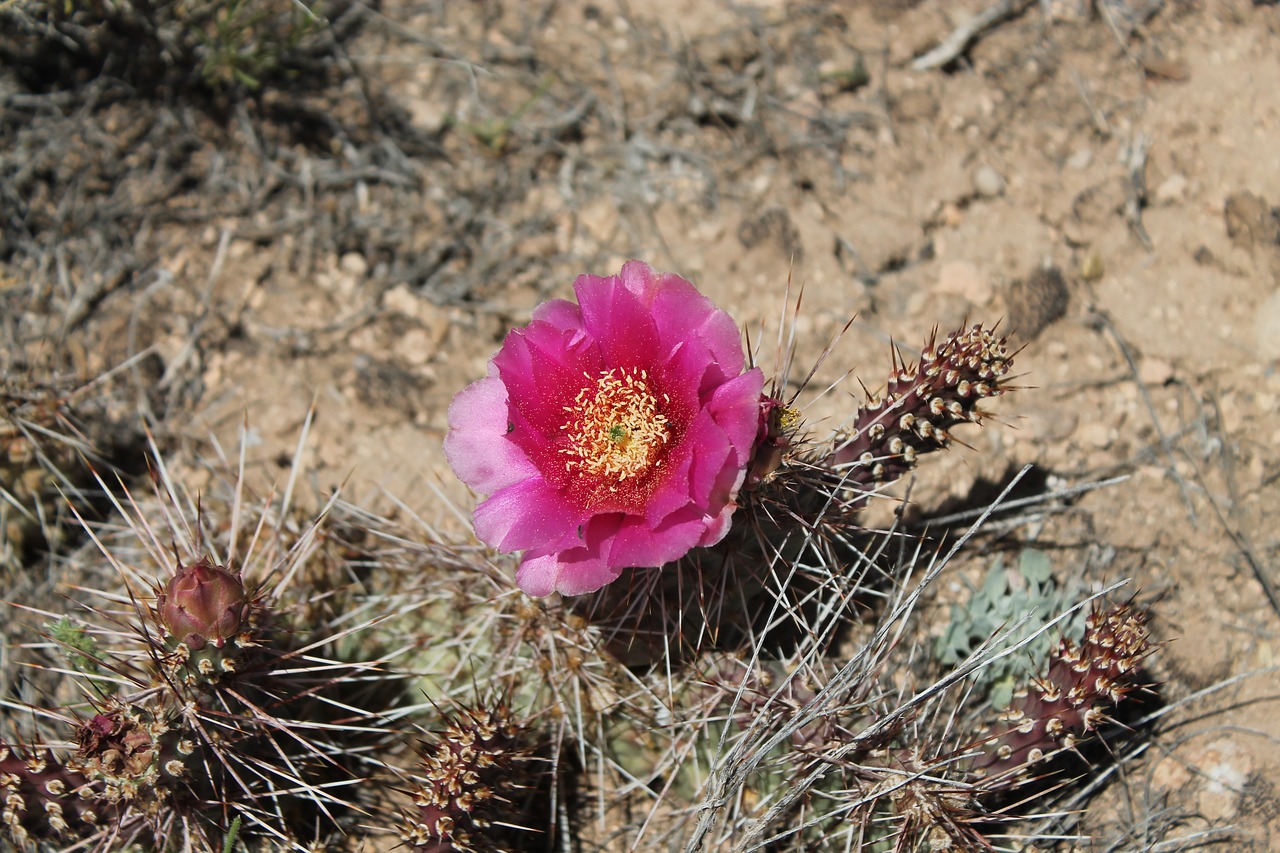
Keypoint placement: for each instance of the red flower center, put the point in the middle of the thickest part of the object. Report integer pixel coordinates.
(616, 433)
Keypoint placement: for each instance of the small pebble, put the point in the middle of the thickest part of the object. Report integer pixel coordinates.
(1080, 159)
(1172, 189)
(1092, 267)
(963, 278)
(353, 263)
(1266, 328)
(987, 182)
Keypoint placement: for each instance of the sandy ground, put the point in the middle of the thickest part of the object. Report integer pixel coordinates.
(1105, 187)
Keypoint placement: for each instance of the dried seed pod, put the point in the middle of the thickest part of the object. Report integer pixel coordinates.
(135, 753)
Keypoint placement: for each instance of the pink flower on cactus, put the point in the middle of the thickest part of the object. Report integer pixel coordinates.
(610, 434)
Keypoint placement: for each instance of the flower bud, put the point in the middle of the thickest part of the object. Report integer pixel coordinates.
(203, 603)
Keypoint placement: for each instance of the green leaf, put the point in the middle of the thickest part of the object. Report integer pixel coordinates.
(231, 835)
(1035, 566)
(996, 585)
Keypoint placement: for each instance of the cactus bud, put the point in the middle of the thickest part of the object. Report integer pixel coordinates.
(203, 603)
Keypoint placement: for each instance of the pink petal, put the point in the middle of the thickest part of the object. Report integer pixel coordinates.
(575, 566)
(735, 406)
(673, 493)
(527, 514)
(718, 526)
(712, 454)
(636, 544)
(560, 313)
(685, 317)
(477, 446)
(544, 368)
(643, 281)
(618, 321)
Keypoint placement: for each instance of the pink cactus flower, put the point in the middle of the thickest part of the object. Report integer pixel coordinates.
(610, 434)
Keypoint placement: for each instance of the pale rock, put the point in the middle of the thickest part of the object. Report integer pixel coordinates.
(1171, 189)
(987, 182)
(1155, 371)
(963, 278)
(401, 300)
(1096, 435)
(354, 264)
(1266, 328)
(364, 340)
(1080, 159)
(415, 347)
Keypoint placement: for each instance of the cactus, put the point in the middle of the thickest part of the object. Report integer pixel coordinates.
(44, 799)
(474, 775)
(800, 504)
(1070, 701)
(918, 409)
(214, 696)
(233, 674)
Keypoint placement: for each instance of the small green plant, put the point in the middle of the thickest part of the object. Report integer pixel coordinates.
(232, 832)
(250, 39)
(1026, 597)
(221, 43)
(79, 648)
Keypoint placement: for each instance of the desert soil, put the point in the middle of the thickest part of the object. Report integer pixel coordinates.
(1102, 183)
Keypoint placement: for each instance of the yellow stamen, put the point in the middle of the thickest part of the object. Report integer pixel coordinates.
(615, 428)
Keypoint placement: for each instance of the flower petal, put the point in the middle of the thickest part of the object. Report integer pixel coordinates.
(577, 565)
(527, 514)
(636, 544)
(685, 317)
(477, 446)
(619, 322)
(560, 313)
(735, 406)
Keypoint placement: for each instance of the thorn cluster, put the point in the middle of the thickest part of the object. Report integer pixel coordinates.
(220, 700)
(769, 690)
(470, 773)
(919, 407)
(1071, 700)
(41, 798)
